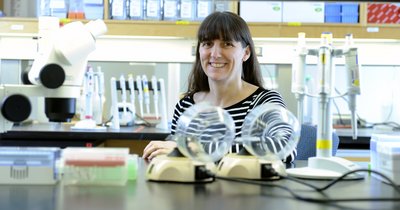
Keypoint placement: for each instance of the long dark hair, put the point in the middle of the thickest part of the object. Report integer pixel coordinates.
(226, 26)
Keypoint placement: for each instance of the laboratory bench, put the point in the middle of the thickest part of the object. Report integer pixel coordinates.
(220, 194)
(63, 135)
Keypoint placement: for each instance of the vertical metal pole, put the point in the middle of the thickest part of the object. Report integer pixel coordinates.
(324, 134)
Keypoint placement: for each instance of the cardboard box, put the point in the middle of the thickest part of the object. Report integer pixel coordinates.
(261, 11)
(383, 13)
(305, 12)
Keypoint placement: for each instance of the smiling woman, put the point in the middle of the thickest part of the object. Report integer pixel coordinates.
(226, 73)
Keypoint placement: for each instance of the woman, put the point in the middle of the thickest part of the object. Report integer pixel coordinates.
(226, 73)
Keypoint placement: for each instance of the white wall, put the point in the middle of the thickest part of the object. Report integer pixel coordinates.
(379, 58)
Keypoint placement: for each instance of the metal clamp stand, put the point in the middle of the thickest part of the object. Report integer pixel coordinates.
(324, 165)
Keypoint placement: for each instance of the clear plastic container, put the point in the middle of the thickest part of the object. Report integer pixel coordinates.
(118, 9)
(187, 10)
(204, 8)
(171, 10)
(76, 9)
(136, 8)
(153, 10)
(95, 166)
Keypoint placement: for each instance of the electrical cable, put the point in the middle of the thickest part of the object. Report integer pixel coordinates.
(321, 189)
(395, 126)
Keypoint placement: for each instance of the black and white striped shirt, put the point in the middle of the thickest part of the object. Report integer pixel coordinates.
(238, 111)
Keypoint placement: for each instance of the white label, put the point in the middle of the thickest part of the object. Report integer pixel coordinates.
(152, 9)
(135, 8)
(170, 8)
(186, 9)
(117, 8)
(202, 9)
(373, 29)
(17, 27)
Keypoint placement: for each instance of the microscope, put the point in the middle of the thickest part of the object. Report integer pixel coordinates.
(56, 74)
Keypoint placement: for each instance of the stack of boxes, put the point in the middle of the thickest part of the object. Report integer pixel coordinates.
(341, 12)
(168, 10)
(278, 11)
(383, 13)
(302, 12)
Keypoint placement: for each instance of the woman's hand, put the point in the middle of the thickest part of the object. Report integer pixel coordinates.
(155, 148)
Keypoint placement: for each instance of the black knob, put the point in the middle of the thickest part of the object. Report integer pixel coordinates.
(16, 108)
(52, 76)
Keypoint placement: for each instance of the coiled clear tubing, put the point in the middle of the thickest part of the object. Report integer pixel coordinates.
(270, 131)
(205, 133)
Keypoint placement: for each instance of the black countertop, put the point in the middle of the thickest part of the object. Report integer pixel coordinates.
(220, 194)
(65, 132)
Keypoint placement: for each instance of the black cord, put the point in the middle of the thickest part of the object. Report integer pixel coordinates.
(391, 183)
(395, 126)
(321, 189)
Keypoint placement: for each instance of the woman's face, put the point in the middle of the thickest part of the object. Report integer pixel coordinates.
(222, 60)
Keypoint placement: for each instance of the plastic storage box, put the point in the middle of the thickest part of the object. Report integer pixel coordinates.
(95, 166)
(349, 12)
(304, 12)
(333, 12)
(383, 13)
(385, 155)
(28, 165)
(341, 12)
(260, 11)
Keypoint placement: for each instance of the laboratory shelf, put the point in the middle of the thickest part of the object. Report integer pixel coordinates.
(189, 29)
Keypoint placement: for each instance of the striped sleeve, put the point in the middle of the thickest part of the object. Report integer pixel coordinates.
(268, 96)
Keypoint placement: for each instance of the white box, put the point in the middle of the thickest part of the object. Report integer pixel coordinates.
(385, 156)
(388, 158)
(259, 11)
(375, 139)
(305, 12)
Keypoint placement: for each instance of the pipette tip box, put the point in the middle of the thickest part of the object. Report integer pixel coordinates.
(385, 156)
(29, 165)
(95, 166)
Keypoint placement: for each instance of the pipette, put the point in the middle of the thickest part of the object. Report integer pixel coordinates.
(140, 94)
(89, 88)
(155, 94)
(126, 117)
(353, 80)
(132, 95)
(115, 114)
(146, 93)
(100, 76)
